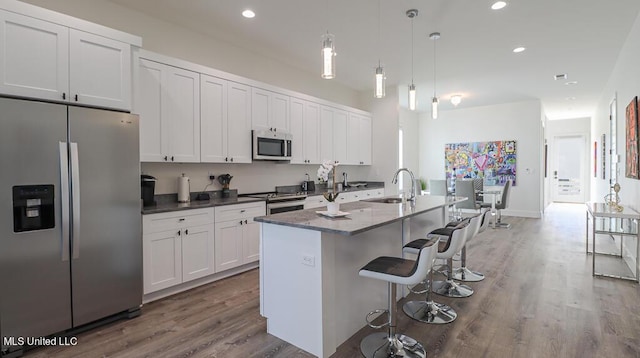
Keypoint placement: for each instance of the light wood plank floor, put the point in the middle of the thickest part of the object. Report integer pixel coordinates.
(538, 300)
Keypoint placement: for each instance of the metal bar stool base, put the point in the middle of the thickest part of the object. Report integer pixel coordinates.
(378, 345)
(429, 312)
(450, 288)
(465, 275)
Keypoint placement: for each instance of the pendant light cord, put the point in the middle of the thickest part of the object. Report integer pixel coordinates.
(412, 46)
(379, 32)
(434, 67)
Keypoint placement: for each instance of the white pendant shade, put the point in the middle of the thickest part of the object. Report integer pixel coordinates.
(434, 108)
(328, 56)
(412, 97)
(380, 82)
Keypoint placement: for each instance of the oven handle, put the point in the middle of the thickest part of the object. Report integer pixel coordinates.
(285, 204)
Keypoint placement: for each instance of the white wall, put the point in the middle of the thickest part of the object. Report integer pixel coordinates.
(625, 82)
(577, 126)
(518, 121)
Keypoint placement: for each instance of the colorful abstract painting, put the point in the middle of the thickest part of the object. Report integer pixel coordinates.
(495, 162)
(631, 162)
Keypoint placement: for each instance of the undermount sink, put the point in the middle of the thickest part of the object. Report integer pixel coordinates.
(387, 200)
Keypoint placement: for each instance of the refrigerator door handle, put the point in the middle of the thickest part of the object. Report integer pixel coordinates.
(64, 198)
(75, 197)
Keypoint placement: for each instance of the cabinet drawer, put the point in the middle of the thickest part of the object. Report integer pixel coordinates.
(240, 211)
(176, 219)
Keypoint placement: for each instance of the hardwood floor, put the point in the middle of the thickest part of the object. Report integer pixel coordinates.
(538, 300)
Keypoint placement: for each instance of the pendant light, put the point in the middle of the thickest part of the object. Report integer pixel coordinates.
(380, 79)
(328, 53)
(412, 87)
(434, 102)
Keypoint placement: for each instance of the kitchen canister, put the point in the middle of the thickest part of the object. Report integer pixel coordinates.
(183, 189)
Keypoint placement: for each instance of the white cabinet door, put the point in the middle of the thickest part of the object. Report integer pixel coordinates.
(312, 133)
(326, 133)
(353, 143)
(316, 201)
(213, 119)
(340, 128)
(228, 245)
(100, 71)
(162, 260)
(197, 252)
(260, 109)
(365, 140)
(182, 109)
(239, 123)
(34, 58)
(279, 116)
(154, 132)
(250, 241)
(296, 110)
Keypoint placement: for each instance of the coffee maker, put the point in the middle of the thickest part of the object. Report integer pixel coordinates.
(148, 188)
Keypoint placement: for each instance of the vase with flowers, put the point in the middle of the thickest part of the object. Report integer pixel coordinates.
(329, 167)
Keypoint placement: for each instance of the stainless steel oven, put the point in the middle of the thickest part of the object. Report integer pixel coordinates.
(282, 202)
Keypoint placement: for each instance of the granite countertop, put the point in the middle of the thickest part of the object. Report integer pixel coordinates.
(321, 189)
(175, 206)
(364, 215)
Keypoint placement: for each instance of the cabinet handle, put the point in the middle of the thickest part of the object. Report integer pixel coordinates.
(64, 95)
(186, 231)
(181, 219)
(240, 222)
(232, 159)
(172, 158)
(270, 129)
(165, 158)
(245, 221)
(243, 210)
(226, 159)
(76, 98)
(179, 233)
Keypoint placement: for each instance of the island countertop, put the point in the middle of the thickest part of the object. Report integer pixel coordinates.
(363, 215)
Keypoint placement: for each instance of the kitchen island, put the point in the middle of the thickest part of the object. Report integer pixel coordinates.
(310, 290)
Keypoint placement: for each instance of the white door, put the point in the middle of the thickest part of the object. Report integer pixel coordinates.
(99, 70)
(181, 104)
(213, 119)
(250, 241)
(365, 140)
(297, 130)
(340, 125)
(162, 260)
(260, 109)
(148, 104)
(197, 252)
(238, 123)
(279, 116)
(569, 169)
(312, 133)
(228, 245)
(34, 58)
(326, 133)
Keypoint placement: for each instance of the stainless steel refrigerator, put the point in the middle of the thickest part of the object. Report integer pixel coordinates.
(70, 222)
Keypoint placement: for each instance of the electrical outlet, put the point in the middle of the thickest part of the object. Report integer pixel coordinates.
(211, 176)
(308, 260)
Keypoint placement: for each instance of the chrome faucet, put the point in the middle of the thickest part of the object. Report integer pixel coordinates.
(413, 181)
(345, 183)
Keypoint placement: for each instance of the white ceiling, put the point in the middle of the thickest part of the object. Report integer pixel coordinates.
(581, 38)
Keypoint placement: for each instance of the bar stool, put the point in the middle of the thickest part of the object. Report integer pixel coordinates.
(396, 270)
(428, 311)
(453, 245)
(462, 273)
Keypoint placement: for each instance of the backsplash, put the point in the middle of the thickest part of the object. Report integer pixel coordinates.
(247, 178)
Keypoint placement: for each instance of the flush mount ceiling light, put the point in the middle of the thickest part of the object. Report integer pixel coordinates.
(562, 76)
(434, 102)
(571, 83)
(379, 91)
(248, 14)
(498, 5)
(519, 49)
(412, 87)
(328, 53)
(456, 99)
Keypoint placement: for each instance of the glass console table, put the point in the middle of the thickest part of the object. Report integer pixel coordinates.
(605, 221)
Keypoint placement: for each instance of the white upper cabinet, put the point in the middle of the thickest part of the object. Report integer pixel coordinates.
(326, 133)
(305, 128)
(340, 128)
(47, 59)
(34, 57)
(359, 142)
(225, 121)
(269, 111)
(168, 102)
(100, 71)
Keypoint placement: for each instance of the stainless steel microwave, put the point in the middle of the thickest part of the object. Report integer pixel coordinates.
(271, 145)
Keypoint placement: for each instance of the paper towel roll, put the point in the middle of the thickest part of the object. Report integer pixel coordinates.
(183, 189)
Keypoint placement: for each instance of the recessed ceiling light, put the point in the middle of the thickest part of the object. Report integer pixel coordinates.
(519, 49)
(571, 83)
(562, 76)
(498, 5)
(248, 14)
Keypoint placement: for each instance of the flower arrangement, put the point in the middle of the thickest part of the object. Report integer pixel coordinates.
(327, 167)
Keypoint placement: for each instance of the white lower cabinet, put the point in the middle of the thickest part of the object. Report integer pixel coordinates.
(177, 247)
(318, 201)
(237, 236)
